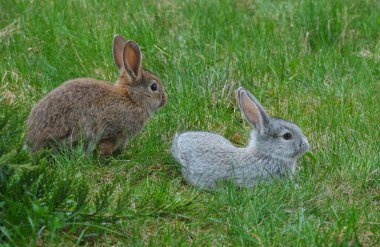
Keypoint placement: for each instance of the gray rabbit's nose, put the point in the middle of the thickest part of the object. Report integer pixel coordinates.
(304, 145)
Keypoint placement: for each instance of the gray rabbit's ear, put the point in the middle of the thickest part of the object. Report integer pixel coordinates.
(132, 58)
(253, 111)
(118, 46)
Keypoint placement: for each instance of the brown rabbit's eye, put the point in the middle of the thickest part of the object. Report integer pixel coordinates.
(287, 136)
(153, 86)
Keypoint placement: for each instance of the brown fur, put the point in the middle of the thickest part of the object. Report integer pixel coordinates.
(106, 116)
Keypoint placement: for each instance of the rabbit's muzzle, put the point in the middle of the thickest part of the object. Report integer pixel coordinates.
(163, 99)
(304, 146)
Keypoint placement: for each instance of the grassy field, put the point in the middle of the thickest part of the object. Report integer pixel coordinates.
(315, 63)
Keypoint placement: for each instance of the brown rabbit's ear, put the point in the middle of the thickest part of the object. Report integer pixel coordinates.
(132, 58)
(118, 46)
(252, 109)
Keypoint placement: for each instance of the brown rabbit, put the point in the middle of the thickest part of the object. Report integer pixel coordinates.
(106, 116)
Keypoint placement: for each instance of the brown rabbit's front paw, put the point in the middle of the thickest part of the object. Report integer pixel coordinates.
(107, 146)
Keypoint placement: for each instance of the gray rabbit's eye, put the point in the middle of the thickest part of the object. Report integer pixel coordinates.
(153, 87)
(287, 136)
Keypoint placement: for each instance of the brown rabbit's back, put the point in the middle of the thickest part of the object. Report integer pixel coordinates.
(85, 106)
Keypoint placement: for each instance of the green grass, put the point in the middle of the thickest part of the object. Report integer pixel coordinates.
(316, 63)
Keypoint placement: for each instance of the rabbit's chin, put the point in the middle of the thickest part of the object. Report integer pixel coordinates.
(154, 104)
(301, 152)
(286, 155)
(298, 153)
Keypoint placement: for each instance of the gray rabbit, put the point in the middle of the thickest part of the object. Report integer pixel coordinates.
(273, 150)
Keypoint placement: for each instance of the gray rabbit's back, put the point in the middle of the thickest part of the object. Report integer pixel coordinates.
(204, 157)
